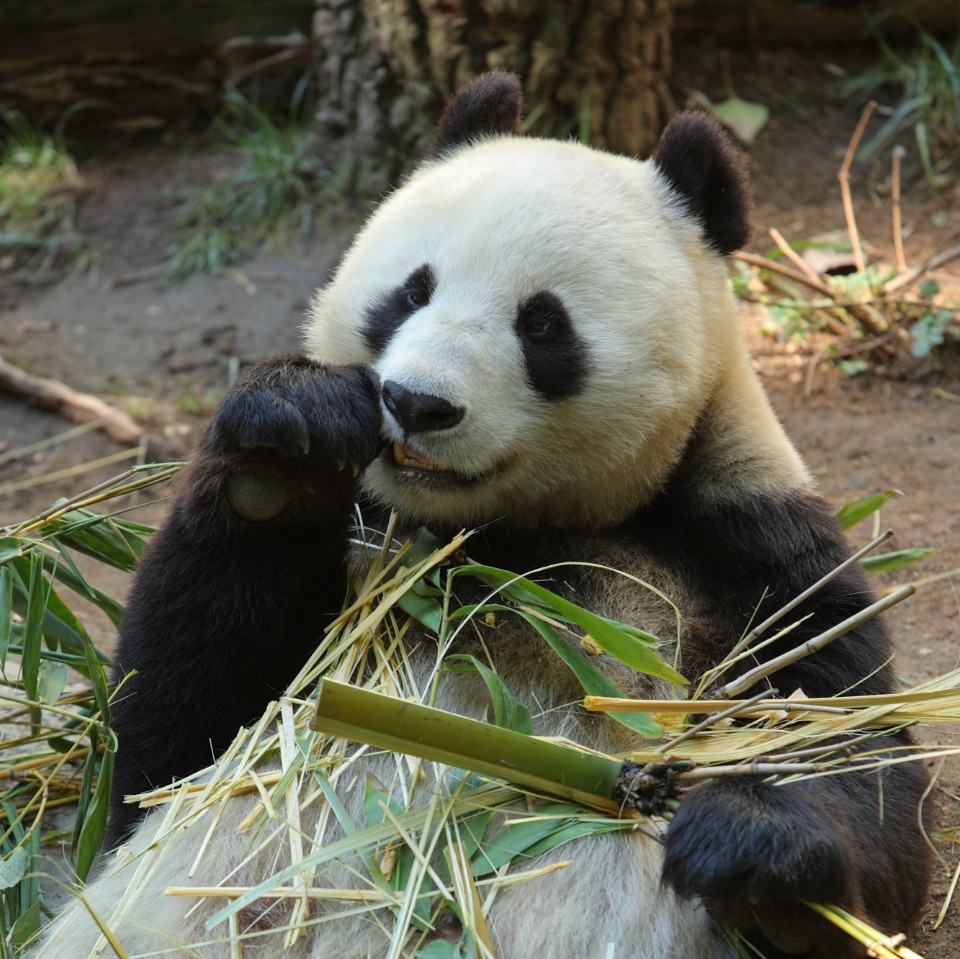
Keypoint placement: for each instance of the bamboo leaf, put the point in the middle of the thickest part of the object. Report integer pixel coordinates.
(10, 548)
(854, 512)
(6, 613)
(27, 926)
(618, 643)
(896, 559)
(51, 681)
(95, 822)
(423, 608)
(507, 711)
(510, 843)
(33, 621)
(14, 867)
(592, 679)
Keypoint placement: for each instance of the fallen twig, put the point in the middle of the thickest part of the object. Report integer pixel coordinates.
(79, 407)
(844, 177)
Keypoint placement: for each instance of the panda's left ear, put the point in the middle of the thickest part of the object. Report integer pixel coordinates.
(489, 105)
(707, 171)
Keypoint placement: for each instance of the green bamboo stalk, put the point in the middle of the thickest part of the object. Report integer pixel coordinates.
(439, 736)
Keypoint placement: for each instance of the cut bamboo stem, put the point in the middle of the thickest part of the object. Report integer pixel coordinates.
(898, 152)
(439, 736)
(758, 631)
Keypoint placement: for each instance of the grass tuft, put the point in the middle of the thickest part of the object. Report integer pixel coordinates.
(39, 184)
(279, 184)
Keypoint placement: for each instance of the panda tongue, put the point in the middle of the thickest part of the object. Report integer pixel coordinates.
(406, 458)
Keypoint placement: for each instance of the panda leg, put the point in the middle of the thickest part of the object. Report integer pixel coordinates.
(236, 587)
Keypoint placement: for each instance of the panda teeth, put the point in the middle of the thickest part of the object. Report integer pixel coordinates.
(404, 457)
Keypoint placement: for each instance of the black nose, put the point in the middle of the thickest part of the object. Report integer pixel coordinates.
(419, 412)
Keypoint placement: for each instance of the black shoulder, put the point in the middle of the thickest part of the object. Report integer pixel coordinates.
(746, 560)
(707, 171)
(490, 105)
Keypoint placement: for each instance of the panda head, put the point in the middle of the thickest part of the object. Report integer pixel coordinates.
(548, 321)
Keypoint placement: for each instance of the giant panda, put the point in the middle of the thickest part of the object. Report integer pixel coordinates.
(532, 339)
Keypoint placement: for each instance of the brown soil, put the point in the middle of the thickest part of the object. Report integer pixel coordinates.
(162, 353)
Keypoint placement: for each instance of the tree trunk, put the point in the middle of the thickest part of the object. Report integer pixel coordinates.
(596, 69)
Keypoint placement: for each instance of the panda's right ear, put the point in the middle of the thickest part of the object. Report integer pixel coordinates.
(489, 105)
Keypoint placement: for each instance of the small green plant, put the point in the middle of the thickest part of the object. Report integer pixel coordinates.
(275, 191)
(38, 188)
(57, 744)
(928, 83)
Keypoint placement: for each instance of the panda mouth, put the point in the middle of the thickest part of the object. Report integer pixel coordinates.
(416, 465)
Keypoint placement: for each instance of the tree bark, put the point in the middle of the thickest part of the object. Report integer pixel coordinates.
(596, 69)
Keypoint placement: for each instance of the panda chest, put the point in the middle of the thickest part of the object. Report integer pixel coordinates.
(501, 636)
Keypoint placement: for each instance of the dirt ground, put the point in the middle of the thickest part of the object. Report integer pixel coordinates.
(164, 353)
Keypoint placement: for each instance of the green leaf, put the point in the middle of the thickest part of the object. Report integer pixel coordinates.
(624, 646)
(929, 288)
(375, 799)
(6, 613)
(896, 559)
(14, 867)
(511, 843)
(743, 118)
(10, 548)
(425, 609)
(854, 512)
(507, 712)
(33, 633)
(594, 683)
(27, 926)
(52, 680)
(440, 949)
(95, 822)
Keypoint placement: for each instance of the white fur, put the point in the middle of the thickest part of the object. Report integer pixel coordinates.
(499, 222)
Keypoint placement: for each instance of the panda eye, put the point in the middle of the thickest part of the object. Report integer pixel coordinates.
(418, 288)
(417, 298)
(541, 318)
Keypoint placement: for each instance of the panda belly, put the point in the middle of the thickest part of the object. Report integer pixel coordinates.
(607, 901)
(608, 895)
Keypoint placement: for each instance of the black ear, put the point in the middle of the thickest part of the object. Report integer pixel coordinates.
(488, 105)
(703, 166)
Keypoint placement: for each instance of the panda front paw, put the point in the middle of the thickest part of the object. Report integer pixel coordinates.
(301, 409)
(292, 425)
(752, 851)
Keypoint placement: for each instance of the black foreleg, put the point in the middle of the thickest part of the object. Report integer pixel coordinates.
(237, 586)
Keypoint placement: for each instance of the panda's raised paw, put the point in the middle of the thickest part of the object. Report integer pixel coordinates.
(301, 410)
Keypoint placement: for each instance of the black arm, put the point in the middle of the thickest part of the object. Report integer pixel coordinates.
(234, 591)
(750, 848)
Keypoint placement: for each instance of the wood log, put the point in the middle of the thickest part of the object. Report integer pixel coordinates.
(80, 407)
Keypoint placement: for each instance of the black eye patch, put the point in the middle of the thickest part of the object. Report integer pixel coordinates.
(556, 357)
(387, 316)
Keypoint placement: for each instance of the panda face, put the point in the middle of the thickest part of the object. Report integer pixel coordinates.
(545, 320)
